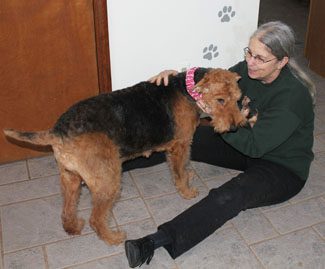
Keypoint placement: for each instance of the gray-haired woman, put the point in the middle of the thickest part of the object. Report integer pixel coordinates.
(274, 154)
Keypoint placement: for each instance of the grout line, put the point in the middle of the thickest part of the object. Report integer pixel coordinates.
(316, 231)
(45, 244)
(257, 257)
(28, 170)
(1, 241)
(45, 256)
(30, 200)
(28, 180)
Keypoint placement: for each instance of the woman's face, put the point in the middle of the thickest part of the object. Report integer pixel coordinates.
(262, 64)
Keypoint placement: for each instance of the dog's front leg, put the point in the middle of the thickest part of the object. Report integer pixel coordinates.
(177, 157)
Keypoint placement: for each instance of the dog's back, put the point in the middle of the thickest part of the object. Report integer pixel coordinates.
(135, 118)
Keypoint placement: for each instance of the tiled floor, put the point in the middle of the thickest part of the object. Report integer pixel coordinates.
(289, 235)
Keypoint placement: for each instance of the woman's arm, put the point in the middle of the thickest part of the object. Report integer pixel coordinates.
(162, 76)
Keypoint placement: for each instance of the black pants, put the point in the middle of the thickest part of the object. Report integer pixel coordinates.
(261, 183)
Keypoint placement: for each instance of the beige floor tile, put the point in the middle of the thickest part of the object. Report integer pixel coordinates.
(319, 143)
(140, 228)
(167, 207)
(206, 171)
(300, 249)
(320, 158)
(29, 189)
(253, 226)
(319, 125)
(85, 199)
(224, 249)
(128, 189)
(161, 260)
(155, 183)
(32, 223)
(78, 250)
(1, 249)
(320, 229)
(130, 210)
(32, 258)
(297, 216)
(149, 170)
(13, 172)
(160, 183)
(86, 213)
(42, 167)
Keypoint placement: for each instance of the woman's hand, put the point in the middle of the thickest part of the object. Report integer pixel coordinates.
(162, 76)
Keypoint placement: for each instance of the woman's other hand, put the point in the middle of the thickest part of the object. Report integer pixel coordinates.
(162, 76)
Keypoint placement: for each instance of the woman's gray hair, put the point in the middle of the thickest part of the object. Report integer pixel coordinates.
(280, 39)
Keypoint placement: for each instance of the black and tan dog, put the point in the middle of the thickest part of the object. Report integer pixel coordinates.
(92, 139)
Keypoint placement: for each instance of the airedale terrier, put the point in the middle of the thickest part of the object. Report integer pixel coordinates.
(93, 137)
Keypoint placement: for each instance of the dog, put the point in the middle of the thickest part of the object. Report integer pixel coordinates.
(95, 136)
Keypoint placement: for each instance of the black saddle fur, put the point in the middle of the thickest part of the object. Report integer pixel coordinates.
(135, 118)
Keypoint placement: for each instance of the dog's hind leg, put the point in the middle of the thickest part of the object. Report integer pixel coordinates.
(105, 188)
(99, 165)
(177, 157)
(70, 186)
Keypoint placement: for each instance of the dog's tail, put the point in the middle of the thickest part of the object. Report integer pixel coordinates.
(42, 138)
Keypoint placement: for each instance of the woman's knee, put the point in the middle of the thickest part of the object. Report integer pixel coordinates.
(230, 192)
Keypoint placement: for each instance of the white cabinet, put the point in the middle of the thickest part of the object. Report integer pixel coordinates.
(147, 36)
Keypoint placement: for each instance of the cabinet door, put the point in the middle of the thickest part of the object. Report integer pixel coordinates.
(48, 62)
(315, 41)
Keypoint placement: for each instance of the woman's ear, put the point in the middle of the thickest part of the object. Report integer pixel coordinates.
(283, 62)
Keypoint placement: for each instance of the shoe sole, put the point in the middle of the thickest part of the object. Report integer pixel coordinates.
(132, 254)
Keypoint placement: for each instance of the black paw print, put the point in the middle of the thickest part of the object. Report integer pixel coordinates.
(226, 13)
(210, 52)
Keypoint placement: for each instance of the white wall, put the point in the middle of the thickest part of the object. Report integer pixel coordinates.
(148, 36)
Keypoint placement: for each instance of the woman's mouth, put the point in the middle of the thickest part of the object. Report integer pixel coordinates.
(252, 72)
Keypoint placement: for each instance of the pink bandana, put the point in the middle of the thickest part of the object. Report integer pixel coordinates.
(190, 83)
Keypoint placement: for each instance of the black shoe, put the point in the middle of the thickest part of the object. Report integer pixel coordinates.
(139, 251)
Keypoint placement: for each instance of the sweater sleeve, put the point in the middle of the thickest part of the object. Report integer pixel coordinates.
(272, 128)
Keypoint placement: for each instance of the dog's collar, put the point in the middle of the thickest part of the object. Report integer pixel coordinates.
(190, 84)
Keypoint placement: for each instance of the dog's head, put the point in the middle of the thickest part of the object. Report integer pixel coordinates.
(220, 92)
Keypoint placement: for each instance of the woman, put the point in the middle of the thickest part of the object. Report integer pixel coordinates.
(274, 155)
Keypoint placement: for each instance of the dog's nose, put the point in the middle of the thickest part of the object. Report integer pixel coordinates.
(233, 128)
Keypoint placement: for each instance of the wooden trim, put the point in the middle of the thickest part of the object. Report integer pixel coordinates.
(102, 46)
(307, 36)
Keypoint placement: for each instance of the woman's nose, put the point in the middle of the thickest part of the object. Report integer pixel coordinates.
(251, 61)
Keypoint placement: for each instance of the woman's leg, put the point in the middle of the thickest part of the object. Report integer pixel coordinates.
(263, 183)
(207, 147)
(143, 162)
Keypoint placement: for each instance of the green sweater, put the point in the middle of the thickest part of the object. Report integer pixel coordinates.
(283, 132)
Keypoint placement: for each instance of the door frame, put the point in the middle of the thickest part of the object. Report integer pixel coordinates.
(102, 46)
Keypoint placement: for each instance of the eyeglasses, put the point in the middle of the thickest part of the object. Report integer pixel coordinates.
(258, 59)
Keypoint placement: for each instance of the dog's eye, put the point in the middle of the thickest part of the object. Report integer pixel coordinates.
(221, 101)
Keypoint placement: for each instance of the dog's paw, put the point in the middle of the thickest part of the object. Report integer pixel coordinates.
(226, 14)
(74, 227)
(189, 193)
(115, 238)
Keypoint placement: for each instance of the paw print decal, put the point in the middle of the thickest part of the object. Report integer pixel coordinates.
(210, 52)
(226, 13)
